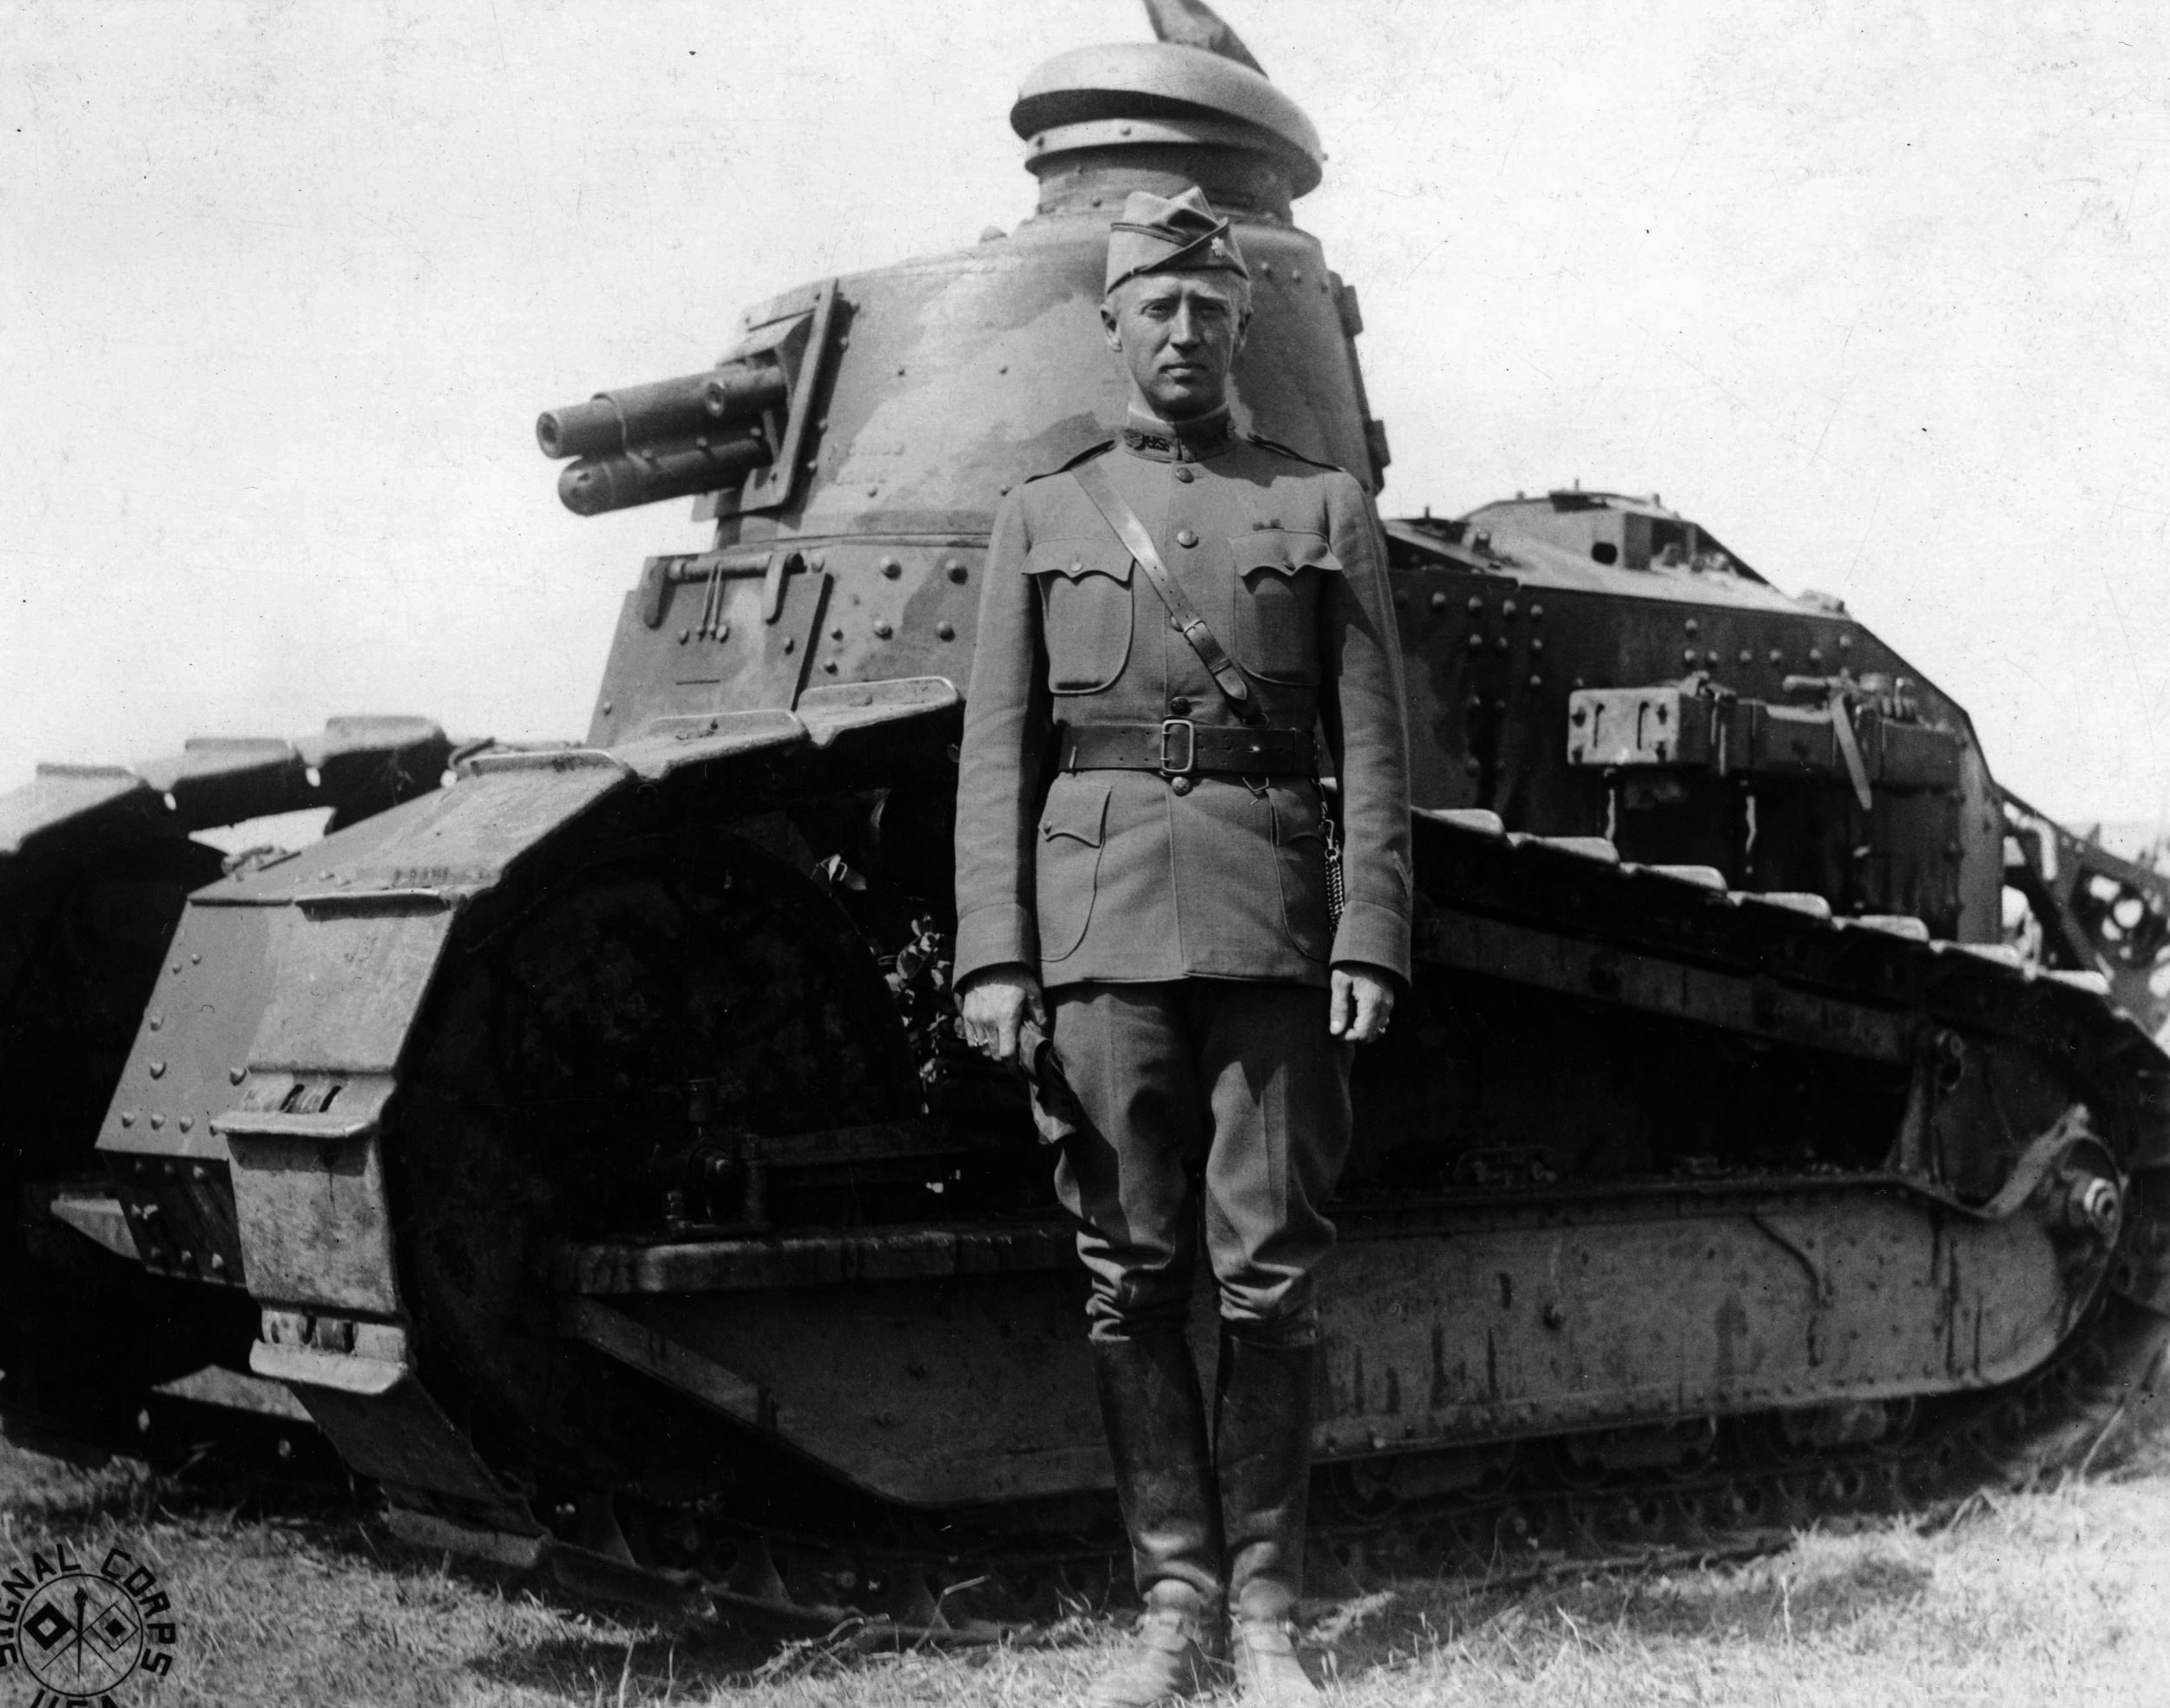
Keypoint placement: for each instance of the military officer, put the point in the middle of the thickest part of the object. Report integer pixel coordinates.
(1165, 626)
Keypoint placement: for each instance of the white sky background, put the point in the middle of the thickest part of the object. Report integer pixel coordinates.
(1878, 292)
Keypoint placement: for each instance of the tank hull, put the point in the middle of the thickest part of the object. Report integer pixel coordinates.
(447, 1202)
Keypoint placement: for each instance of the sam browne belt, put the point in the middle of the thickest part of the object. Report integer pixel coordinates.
(1178, 747)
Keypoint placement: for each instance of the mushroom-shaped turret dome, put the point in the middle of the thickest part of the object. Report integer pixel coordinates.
(1164, 91)
(1193, 106)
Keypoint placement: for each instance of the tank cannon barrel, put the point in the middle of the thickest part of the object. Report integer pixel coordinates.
(668, 439)
(649, 473)
(612, 424)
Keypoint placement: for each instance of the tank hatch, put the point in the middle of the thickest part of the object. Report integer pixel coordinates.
(1193, 107)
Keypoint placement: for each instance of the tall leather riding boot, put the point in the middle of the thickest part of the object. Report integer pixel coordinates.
(1262, 1449)
(1156, 1434)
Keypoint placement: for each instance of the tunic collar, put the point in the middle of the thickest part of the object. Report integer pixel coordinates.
(1192, 441)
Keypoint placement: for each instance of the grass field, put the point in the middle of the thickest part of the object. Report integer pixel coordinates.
(2056, 1596)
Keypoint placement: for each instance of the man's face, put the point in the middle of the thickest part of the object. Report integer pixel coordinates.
(1177, 333)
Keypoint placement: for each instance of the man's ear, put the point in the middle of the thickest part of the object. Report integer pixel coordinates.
(1111, 324)
(1243, 329)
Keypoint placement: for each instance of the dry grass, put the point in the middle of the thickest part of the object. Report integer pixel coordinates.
(2055, 1597)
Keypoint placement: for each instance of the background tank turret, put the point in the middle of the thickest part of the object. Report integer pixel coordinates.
(583, 1139)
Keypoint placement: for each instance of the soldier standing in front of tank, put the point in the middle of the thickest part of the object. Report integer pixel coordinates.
(1165, 624)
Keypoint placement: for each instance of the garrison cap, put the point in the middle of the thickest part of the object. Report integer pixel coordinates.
(1170, 234)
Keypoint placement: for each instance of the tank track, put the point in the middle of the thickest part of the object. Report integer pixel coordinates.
(828, 1561)
(932, 1580)
(837, 1562)
(908, 1580)
(1527, 1508)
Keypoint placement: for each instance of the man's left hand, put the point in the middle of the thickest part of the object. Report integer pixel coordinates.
(1363, 1002)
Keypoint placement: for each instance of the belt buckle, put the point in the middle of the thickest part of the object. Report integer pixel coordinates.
(1190, 747)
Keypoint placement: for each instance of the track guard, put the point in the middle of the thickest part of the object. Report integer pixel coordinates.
(373, 1406)
(356, 935)
(343, 947)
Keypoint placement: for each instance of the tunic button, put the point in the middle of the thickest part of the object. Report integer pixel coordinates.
(1185, 537)
(1179, 706)
(1184, 475)
(1181, 786)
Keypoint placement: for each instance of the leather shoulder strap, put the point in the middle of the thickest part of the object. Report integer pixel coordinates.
(1093, 477)
(1098, 448)
(1292, 453)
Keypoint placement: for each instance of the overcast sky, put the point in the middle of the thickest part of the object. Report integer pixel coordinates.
(1877, 293)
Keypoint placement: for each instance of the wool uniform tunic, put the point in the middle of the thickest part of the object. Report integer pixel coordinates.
(1131, 875)
(1179, 922)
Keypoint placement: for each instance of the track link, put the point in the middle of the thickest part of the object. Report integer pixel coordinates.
(890, 1582)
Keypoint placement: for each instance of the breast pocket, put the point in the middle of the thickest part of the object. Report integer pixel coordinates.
(1280, 578)
(1072, 829)
(1084, 610)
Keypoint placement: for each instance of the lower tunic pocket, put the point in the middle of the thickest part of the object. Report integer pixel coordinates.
(1299, 849)
(1072, 829)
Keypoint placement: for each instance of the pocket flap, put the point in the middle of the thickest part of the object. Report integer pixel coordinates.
(1075, 558)
(1285, 550)
(1077, 808)
(1299, 816)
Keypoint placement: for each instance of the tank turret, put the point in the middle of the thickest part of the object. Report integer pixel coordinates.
(851, 523)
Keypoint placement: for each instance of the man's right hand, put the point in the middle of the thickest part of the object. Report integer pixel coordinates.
(995, 1003)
